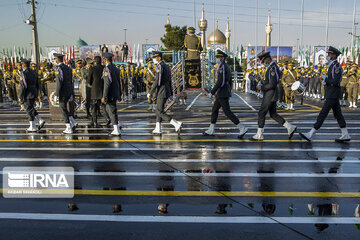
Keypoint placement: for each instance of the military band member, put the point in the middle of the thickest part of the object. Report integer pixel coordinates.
(16, 81)
(332, 96)
(64, 92)
(353, 86)
(222, 89)
(149, 81)
(111, 92)
(270, 90)
(162, 88)
(343, 85)
(28, 92)
(2, 86)
(288, 80)
(10, 85)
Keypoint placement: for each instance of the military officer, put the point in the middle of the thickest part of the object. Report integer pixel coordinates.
(270, 90)
(288, 79)
(353, 86)
(111, 92)
(64, 92)
(332, 96)
(39, 100)
(28, 92)
(16, 81)
(162, 88)
(149, 80)
(222, 89)
(192, 44)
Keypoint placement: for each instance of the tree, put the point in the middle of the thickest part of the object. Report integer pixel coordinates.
(174, 37)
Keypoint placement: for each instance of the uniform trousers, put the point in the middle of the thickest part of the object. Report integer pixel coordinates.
(224, 104)
(268, 106)
(160, 113)
(96, 109)
(334, 104)
(111, 110)
(30, 110)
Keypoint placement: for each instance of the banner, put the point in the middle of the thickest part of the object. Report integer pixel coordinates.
(147, 49)
(253, 52)
(51, 50)
(90, 51)
(319, 55)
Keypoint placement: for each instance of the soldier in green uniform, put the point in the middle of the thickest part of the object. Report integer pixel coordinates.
(149, 79)
(192, 44)
(288, 80)
(85, 78)
(1, 86)
(8, 80)
(16, 80)
(353, 86)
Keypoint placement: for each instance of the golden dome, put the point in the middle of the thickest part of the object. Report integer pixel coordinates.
(219, 37)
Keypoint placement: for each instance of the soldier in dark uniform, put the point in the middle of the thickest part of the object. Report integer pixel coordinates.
(162, 88)
(85, 77)
(332, 96)
(28, 92)
(97, 89)
(125, 51)
(111, 92)
(270, 90)
(64, 92)
(222, 89)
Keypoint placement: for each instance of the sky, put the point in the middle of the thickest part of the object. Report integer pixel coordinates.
(62, 22)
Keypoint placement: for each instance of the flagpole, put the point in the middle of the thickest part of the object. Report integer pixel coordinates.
(256, 31)
(278, 49)
(234, 34)
(302, 23)
(327, 24)
(353, 31)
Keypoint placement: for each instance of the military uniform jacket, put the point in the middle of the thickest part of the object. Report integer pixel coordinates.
(111, 77)
(85, 71)
(149, 77)
(269, 87)
(290, 78)
(333, 80)
(96, 81)
(64, 83)
(29, 85)
(223, 84)
(193, 46)
(162, 84)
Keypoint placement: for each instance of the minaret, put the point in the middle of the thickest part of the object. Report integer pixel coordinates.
(268, 30)
(227, 35)
(203, 28)
(168, 25)
(168, 19)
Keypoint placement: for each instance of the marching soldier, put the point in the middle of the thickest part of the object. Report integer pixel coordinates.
(162, 88)
(353, 86)
(111, 92)
(281, 89)
(85, 77)
(288, 80)
(28, 92)
(97, 89)
(222, 89)
(39, 101)
(64, 92)
(270, 90)
(192, 44)
(149, 81)
(332, 96)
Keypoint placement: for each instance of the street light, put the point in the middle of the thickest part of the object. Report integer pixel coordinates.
(125, 33)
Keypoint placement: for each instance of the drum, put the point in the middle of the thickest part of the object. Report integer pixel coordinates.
(298, 88)
(53, 101)
(77, 88)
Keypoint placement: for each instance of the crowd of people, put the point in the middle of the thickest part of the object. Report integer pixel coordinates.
(311, 78)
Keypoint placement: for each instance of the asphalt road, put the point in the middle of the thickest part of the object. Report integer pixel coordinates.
(275, 189)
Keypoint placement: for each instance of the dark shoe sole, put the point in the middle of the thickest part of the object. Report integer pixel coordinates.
(242, 135)
(304, 137)
(292, 134)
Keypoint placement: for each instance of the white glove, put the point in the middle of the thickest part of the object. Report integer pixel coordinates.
(148, 95)
(210, 95)
(55, 98)
(323, 82)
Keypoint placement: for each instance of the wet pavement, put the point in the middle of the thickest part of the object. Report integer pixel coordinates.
(216, 187)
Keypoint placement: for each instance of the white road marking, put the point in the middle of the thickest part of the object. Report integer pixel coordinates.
(344, 161)
(132, 105)
(193, 102)
(251, 107)
(163, 149)
(179, 219)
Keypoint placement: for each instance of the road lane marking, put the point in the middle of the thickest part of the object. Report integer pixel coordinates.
(251, 107)
(180, 219)
(193, 102)
(306, 104)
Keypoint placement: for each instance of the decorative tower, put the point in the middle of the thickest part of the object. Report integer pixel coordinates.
(268, 30)
(168, 19)
(227, 35)
(168, 25)
(203, 28)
